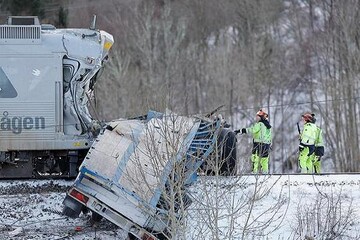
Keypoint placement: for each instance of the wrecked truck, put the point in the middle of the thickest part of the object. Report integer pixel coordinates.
(137, 171)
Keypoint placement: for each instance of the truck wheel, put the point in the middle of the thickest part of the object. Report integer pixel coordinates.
(227, 144)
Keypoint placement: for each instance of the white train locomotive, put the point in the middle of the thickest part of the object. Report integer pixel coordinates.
(46, 78)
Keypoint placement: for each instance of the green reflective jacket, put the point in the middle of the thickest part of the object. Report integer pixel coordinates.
(319, 138)
(260, 133)
(309, 133)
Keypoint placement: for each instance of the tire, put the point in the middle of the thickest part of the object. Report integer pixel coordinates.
(227, 145)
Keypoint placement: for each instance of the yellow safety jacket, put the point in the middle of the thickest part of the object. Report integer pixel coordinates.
(260, 132)
(309, 134)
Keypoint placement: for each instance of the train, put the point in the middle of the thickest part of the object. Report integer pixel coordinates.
(47, 79)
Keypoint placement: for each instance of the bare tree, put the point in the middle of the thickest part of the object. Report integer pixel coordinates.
(337, 54)
(227, 208)
(328, 216)
(192, 56)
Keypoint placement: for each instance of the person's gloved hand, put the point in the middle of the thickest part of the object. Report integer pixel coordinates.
(237, 131)
(301, 147)
(243, 131)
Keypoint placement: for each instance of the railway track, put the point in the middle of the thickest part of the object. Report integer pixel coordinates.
(32, 209)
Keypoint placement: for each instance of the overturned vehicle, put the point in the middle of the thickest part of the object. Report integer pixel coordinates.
(137, 171)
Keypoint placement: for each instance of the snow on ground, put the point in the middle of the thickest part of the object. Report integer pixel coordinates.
(295, 204)
(285, 207)
(31, 209)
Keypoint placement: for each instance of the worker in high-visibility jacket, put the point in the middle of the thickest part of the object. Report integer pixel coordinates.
(319, 148)
(262, 137)
(307, 144)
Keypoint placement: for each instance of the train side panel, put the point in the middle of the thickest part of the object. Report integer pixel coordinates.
(28, 114)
